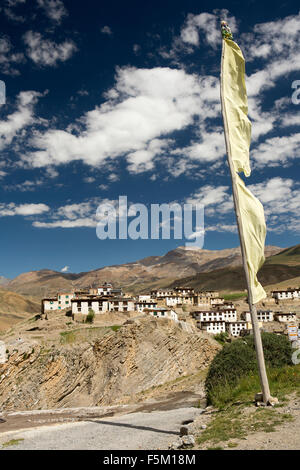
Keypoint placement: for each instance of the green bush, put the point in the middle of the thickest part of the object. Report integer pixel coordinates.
(222, 337)
(90, 317)
(238, 359)
(277, 349)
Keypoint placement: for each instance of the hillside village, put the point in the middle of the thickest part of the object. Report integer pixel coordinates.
(207, 310)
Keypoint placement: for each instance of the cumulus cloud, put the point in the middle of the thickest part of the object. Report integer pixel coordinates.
(8, 58)
(46, 52)
(12, 209)
(144, 106)
(53, 9)
(65, 269)
(19, 119)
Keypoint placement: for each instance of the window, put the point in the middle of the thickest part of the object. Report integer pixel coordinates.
(67, 301)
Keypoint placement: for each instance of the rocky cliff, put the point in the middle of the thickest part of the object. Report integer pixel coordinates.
(108, 370)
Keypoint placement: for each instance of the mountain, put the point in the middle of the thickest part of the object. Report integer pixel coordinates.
(289, 256)
(233, 279)
(15, 307)
(147, 273)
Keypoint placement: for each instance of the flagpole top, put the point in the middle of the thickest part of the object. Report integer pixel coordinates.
(226, 31)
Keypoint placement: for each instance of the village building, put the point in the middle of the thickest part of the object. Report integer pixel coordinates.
(287, 294)
(49, 304)
(148, 304)
(285, 317)
(64, 300)
(161, 312)
(105, 289)
(213, 327)
(184, 290)
(235, 328)
(215, 301)
(102, 304)
(262, 316)
(143, 297)
(229, 313)
(161, 293)
(208, 316)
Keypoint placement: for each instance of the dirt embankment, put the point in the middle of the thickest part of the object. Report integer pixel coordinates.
(105, 370)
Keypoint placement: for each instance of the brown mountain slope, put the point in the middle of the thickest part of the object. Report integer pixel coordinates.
(233, 279)
(15, 307)
(143, 274)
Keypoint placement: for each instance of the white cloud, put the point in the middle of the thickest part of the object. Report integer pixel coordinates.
(46, 52)
(20, 119)
(106, 30)
(12, 209)
(144, 105)
(53, 9)
(277, 150)
(8, 58)
(65, 269)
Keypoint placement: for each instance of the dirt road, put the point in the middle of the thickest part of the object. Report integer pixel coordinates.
(133, 431)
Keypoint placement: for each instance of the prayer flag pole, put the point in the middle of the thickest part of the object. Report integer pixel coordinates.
(226, 35)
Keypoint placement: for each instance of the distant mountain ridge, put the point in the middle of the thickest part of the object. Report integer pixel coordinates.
(149, 272)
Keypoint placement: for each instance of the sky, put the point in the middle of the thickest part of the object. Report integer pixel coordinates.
(109, 99)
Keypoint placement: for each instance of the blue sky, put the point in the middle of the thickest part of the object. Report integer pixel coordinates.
(111, 98)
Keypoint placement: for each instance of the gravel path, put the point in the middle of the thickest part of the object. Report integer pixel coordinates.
(147, 431)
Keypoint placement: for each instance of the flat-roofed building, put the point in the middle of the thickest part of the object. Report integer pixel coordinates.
(235, 328)
(208, 315)
(213, 327)
(161, 312)
(142, 304)
(285, 317)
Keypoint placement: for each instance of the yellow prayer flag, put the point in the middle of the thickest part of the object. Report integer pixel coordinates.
(253, 227)
(236, 106)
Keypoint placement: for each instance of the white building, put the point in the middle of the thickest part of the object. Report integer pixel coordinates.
(102, 304)
(184, 290)
(85, 305)
(49, 304)
(286, 294)
(142, 304)
(262, 316)
(214, 327)
(161, 293)
(235, 328)
(215, 301)
(105, 289)
(285, 317)
(144, 297)
(64, 300)
(161, 312)
(209, 316)
(229, 314)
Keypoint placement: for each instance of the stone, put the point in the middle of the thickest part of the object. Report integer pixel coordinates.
(188, 441)
(203, 426)
(184, 430)
(259, 397)
(273, 401)
(176, 444)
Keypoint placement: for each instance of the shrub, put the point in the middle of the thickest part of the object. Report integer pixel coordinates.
(90, 317)
(238, 359)
(222, 337)
(277, 349)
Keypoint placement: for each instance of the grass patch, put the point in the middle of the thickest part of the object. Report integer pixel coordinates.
(12, 442)
(86, 334)
(235, 296)
(282, 380)
(237, 423)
